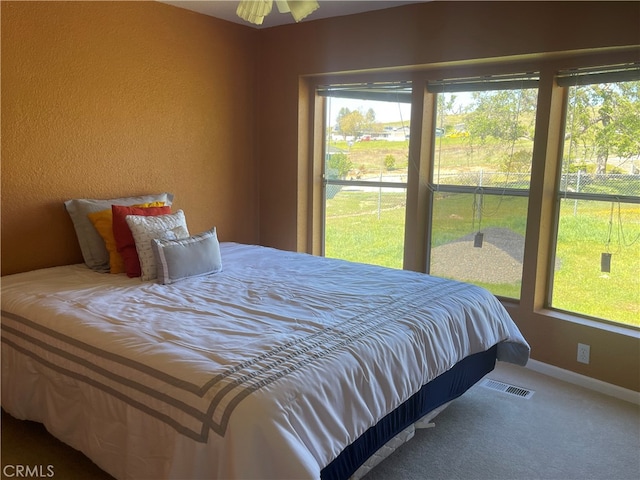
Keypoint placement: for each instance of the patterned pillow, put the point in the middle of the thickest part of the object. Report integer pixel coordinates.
(92, 246)
(124, 238)
(103, 223)
(187, 257)
(145, 229)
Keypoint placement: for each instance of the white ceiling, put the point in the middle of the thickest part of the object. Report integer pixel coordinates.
(226, 9)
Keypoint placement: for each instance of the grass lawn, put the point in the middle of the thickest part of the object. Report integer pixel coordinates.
(579, 284)
(368, 227)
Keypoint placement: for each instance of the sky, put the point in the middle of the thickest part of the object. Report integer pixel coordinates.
(386, 112)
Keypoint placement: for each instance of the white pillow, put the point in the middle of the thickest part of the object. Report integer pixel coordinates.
(145, 229)
(187, 257)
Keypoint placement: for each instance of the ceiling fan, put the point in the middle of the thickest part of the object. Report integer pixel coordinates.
(254, 11)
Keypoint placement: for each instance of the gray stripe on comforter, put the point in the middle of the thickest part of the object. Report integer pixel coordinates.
(236, 382)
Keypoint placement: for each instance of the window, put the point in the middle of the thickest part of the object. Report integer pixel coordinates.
(468, 192)
(365, 172)
(484, 139)
(597, 249)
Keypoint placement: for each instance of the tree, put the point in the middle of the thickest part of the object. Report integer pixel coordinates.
(502, 122)
(346, 123)
(446, 105)
(338, 165)
(390, 162)
(354, 122)
(369, 124)
(605, 122)
(627, 140)
(504, 114)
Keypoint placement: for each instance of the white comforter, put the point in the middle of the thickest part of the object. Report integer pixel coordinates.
(265, 370)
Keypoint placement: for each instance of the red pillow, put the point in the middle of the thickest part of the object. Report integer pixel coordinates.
(125, 242)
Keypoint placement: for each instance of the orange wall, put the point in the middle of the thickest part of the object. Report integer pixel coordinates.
(107, 99)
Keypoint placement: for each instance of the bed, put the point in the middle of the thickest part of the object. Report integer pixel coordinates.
(281, 365)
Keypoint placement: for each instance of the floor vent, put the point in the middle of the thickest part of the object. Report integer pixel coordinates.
(506, 388)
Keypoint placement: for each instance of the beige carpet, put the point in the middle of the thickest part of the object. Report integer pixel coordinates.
(561, 432)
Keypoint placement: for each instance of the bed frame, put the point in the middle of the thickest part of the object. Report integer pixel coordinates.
(441, 390)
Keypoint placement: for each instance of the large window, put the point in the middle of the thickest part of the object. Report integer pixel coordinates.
(488, 156)
(365, 172)
(597, 261)
(481, 174)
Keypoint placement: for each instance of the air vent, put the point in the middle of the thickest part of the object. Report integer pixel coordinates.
(506, 388)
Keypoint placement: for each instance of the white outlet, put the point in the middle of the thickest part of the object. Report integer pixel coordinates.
(583, 353)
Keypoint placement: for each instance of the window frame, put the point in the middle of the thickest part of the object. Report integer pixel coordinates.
(387, 91)
(606, 72)
(486, 83)
(533, 305)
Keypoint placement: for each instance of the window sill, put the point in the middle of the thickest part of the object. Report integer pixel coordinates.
(607, 325)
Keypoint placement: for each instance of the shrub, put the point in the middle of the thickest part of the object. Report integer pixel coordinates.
(390, 162)
(338, 165)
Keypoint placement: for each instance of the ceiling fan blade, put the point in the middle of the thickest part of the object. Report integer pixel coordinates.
(301, 8)
(254, 11)
(283, 6)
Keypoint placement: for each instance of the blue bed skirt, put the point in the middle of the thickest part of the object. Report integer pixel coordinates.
(439, 391)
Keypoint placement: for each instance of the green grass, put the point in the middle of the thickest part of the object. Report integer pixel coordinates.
(369, 156)
(368, 227)
(453, 215)
(579, 285)
(359, 219)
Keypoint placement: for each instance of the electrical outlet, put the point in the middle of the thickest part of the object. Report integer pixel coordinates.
(583, 353)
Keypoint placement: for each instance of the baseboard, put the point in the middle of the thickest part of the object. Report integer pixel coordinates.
(584, 381)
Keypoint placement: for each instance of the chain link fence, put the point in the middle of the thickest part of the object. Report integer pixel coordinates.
(481, 178)
(610, 184)
(606, 184)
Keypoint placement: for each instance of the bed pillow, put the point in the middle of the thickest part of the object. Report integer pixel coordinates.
(125, 242)
(145, 229)
(92, 246)
(103, 223)
(187, 257)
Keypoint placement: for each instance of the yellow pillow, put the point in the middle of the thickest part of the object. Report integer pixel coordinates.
(103, 223)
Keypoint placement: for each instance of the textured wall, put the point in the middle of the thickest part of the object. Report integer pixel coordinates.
(106, 99)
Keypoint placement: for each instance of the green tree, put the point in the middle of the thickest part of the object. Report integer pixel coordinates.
(502, 124)
(446, 105)
(355, 122)
(338, 165)
(505, 115)
(369, 124)
(390, 162)
(604, 122)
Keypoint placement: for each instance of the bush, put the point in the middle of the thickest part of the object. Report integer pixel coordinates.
(338, 166)
(615, 170)
(390, 162)
(582, 167)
